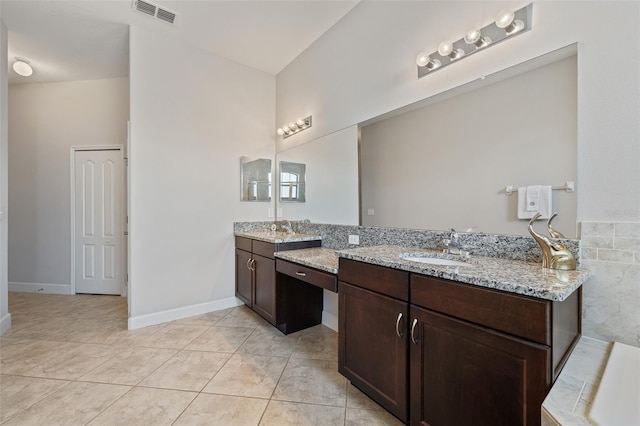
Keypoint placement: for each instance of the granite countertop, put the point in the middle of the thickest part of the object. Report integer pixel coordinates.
(514, 276)
(321, 258)
(277, 237)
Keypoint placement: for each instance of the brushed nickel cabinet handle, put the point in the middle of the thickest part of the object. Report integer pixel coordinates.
(253, 265)
(413, 329)
(249, 263)
(302, 274)
(398, 331)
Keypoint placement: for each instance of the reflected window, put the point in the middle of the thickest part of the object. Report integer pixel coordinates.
(292, 181)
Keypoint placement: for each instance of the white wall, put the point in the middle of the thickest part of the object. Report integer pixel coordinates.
(365, 66)
(189, 127)
(46, 120)
(329, 175)
(446, 164)
(5, 316)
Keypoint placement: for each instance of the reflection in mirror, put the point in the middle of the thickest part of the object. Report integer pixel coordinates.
(255, 179)
(292, 182)
(445, 163)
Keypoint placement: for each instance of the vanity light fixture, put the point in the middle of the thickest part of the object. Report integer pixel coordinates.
(293, 128)
(507, 24)
(21, 67)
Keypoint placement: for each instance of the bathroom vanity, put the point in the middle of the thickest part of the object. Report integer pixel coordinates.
(434, 338)
(438, 351)
(288, 291)
(255, 263)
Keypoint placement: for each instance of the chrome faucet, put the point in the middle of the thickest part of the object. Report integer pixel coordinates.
(288, 227)
(453, 243)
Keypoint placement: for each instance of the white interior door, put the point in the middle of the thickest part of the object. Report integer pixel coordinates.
(99, 197)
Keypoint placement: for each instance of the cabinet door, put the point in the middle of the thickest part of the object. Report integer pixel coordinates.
(244, 277)
(371, 353)
(264, 301)
(463, 374)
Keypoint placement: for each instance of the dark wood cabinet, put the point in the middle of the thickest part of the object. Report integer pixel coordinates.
(468, 355)
(256, 283)
(464, 374)
(373, 346)
(264, 301)
(244, 277)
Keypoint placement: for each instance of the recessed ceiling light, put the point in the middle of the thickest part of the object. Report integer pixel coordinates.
(21, 67)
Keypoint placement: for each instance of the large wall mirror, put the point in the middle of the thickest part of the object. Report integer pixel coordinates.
(445, 162)
(255, 179)
(330, 176)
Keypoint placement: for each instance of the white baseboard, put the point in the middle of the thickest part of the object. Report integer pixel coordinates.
(182, 312)
(330, 320)
(5, 323)
(40, 288)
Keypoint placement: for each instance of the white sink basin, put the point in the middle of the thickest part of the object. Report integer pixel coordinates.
(432, 260)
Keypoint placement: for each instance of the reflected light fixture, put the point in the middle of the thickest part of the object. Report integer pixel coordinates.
(293, 128)
(506, 25)
(21, 67)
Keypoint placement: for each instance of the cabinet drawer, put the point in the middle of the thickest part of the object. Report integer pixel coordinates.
(243, 243)
(309, 275)
(517, 315)
(264, 249)
(387, 281)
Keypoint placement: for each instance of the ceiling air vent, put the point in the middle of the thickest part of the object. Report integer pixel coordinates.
(154, 10)
(144, 7)
(166, 15)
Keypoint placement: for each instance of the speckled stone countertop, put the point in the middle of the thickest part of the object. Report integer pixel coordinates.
(324, 259)
(277, 237)
(514, 276)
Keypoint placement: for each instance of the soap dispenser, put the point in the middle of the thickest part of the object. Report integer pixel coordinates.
(555, 255)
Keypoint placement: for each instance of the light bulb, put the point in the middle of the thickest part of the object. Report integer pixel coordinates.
(504, 18)
(422, 59)
(280, 131)
(22, 67)
(476, 38)
(286, 130)
(300, 122)
(472, 36)
(445, 48)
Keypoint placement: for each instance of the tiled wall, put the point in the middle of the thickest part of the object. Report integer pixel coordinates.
(611, 299)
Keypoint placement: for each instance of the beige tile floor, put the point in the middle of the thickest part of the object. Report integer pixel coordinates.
(70, 360)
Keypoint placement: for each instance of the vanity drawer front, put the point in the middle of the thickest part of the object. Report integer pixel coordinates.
(264, 249)
(517, 315)
(243, 243)
(309, 275)
(387, 281)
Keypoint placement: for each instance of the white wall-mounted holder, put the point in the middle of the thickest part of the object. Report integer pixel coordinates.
(568, 186)
(506, 26)
(294, 128)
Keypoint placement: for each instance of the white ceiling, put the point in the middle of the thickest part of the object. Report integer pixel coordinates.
(89, 39)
